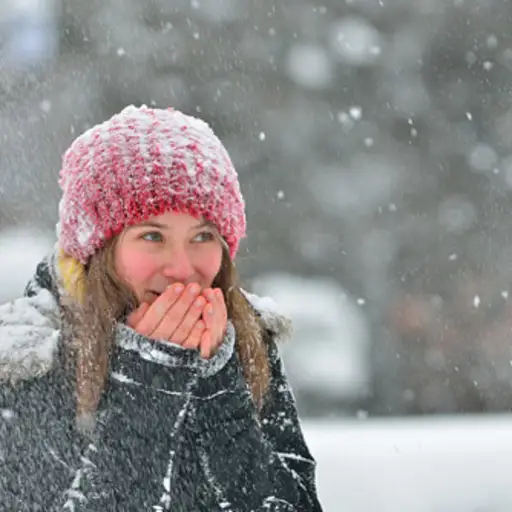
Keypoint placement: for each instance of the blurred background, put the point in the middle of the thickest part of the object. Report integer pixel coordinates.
(373, 139)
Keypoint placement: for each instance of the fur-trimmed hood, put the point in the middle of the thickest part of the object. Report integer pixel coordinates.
(30, 332)
(29, 336)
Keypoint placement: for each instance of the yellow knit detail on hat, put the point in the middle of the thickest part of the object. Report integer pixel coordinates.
(72, 274)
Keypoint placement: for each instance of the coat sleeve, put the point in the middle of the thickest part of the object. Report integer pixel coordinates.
(255, 462)
(38, 456)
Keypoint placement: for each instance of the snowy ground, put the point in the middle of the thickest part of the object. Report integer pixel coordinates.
(454, 464)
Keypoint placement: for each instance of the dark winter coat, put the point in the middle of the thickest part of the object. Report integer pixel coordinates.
(173, 431)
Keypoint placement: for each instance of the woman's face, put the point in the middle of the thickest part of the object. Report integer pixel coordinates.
(167, 249)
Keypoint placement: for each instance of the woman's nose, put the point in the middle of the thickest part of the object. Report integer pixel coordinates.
(178, 266)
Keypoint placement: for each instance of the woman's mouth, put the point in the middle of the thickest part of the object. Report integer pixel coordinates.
(152, 295)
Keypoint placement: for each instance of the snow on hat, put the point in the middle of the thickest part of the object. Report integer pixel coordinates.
(141, 163)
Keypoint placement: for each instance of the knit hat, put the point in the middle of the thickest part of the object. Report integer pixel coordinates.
(141, 163)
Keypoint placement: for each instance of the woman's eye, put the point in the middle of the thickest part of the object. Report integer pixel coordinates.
(204, 236)
(153, 236)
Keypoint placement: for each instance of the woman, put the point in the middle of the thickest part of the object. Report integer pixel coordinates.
(136, 374)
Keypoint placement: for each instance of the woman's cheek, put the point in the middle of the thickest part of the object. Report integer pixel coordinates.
(137, 267)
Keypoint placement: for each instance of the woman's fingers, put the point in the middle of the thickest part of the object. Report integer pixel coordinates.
(188, 322)
(215, 317)
(208, 315)
(206, 347)
(220, 314)
(193, 340)
(136, 316)
(158, 310)
(186, 317)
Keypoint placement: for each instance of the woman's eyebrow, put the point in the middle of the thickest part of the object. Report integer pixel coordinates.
(159, 225)
(203, 224)
(149, 224)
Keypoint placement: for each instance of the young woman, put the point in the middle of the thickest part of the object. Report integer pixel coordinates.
(136, 374)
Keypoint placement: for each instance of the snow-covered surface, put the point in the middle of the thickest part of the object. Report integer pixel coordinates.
(452, 464)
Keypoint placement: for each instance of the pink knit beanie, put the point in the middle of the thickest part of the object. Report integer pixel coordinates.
(140, 163)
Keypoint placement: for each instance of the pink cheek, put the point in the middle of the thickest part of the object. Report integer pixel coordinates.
(137, 268)
(211, 267)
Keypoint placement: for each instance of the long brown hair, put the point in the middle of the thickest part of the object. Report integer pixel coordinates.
(105, 299)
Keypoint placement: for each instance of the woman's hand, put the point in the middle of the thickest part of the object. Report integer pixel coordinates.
(186, 317)
(215, 316)
(174, 316)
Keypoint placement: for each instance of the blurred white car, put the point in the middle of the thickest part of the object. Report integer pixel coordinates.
(328, 358)
(21, 249)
